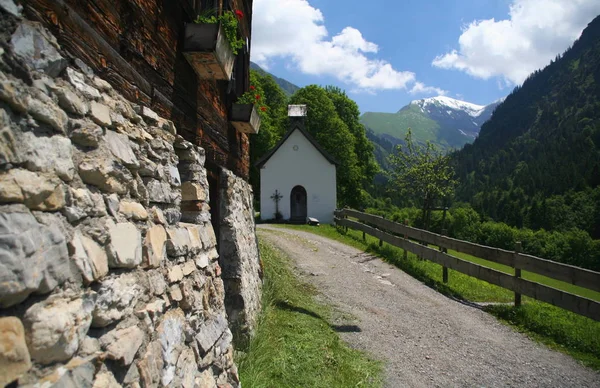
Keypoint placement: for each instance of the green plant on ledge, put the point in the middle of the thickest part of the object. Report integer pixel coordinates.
(229, 21)
(253, 96)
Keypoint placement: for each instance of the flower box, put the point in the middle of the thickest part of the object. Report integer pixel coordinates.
(245, 118)
(207, 51)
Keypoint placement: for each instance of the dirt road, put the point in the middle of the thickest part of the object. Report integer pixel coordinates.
(424, 338)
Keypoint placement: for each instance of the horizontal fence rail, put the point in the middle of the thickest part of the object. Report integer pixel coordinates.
(398, 235)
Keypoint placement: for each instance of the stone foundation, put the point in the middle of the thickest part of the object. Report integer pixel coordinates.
(108, 261)
(239, 256)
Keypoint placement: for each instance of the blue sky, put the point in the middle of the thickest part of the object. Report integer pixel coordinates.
(387, 53)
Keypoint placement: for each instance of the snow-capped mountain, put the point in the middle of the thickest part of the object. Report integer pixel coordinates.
(472, 110)
(455, 117)
(448, 122)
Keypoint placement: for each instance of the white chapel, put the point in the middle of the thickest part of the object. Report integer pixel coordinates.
(297, 177)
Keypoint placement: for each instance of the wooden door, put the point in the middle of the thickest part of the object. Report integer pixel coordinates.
(298, 206)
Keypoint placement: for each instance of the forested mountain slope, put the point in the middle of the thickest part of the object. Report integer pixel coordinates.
(536, 162)
(285, 85)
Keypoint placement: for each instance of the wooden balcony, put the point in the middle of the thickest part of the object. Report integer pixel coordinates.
(207, 51)
(245, 118)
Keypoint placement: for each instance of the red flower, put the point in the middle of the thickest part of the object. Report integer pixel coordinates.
(252, 87)
(257, 96)
(239, 14)
(263, 108)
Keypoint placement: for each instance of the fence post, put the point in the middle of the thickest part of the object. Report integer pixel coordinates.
(444, 269)
(518, 249)
(345, 217)
(405, 237)
(380, 240)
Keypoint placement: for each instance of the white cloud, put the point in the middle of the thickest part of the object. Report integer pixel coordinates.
(294, 30)
(421, 88)
(536, 31)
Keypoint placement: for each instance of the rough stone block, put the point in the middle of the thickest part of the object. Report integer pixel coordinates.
(105, 174)
(101, 84)
(148, 168)
(120, 146)
(37, 191)
(207, 235)
(173, 216)
(206, 379)
(174, 178)
(175, 274)
(56, 326)
(44, 110)
(100, 113)
(14, 355)
(202, 260)
(85, 133)
(175, 293)
(122, 344)
(47, 154)
(71, 102)
(157, 282)
(178, 243)
(125, 245)
(193, 192)
(149, 115)
(38, 48)
(155, 249)
(33, 257)
(158, 216)
(78, 81)
(105, 379)
(82, 203)
(192, 298)
(171, 337)
(159, 192)
(89, 257)
(133, 210)
(188, 267)
(186, 369)
(210, 332)
(195, 240)
(89, 346)
(10, 7)
(151, 365)
(78, 373)
(117, 297)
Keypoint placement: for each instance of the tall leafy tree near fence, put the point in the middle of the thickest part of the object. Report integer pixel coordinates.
(421, 173)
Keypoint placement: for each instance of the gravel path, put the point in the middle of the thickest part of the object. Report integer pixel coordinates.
(424, 338)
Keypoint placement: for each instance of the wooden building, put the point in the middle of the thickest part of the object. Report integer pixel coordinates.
(138, 47)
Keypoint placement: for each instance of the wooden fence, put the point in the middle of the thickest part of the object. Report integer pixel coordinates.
(399, 235)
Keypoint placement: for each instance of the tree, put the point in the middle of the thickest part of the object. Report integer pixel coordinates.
(421, 173)
(332, 133)
(273, 121)
(349, 113)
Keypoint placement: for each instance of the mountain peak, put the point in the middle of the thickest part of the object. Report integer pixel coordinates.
(472, 110)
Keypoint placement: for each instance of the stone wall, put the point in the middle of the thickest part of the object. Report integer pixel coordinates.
(102, 283)
(239, 256)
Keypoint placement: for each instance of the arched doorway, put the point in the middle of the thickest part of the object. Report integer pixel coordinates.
(298, 208)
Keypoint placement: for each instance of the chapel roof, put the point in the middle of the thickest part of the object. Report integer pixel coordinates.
(261, 162)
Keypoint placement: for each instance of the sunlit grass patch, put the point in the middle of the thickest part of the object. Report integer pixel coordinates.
(295, 345)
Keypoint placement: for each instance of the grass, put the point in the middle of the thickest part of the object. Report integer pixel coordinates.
(295, 345)
(562, 330)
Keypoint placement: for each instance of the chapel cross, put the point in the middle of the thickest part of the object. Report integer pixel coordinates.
(276, 197)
